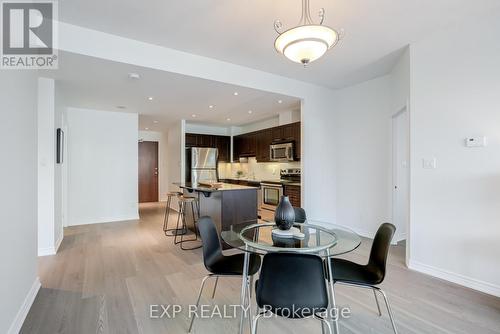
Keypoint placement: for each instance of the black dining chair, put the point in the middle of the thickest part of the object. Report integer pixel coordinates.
(372, 274)
(218, 264)
(291, 285)
(300, 215)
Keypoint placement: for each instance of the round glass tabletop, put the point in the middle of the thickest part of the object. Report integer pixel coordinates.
(310, 238)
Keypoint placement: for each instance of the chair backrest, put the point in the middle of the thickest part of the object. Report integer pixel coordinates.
(292, 285)
(212, 249)
(380, 248)
(300, 215)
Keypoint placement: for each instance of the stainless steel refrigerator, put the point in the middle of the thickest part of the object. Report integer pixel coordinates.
(201, 164)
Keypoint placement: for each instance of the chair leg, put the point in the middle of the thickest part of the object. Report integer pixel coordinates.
(255, 322)
(198, 300)
(249, 299)
(181, 209)
(389, 310)
(167, 212)
(215, 286)
(195, 230)
(324, 322)
(376, 299)
(251, 286)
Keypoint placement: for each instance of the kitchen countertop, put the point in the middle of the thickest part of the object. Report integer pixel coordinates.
(225, 187)
(277, 181)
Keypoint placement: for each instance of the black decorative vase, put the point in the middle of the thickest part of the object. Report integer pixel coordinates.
(284, 215)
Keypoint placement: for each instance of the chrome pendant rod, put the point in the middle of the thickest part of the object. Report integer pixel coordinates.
(305, 18)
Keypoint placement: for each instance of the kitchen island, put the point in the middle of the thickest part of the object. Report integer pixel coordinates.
(227, 205)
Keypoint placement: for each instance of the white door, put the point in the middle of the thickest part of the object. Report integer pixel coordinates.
(401, 165)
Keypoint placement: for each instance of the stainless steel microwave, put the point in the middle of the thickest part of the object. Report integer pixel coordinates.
(282, 152)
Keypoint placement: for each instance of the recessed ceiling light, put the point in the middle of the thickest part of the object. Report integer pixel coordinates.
(280, 101)
(235, 93)
(250, 111)
(150, 98)
(134, 76)
(193, 115)
(146, 128)
(156, 122)
(121, 107)
(228, 119)
(211, 106)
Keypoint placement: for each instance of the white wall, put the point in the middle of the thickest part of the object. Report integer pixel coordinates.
(46, 166)
(400, 82)
(362, 136)
(289, 116)
(18, 197)
(256, 126)
(175, 148)
(61, 171)
(102, 166)
(208, 129)
(163, 155)
(363, 139)
(455, 213)
(316, 108)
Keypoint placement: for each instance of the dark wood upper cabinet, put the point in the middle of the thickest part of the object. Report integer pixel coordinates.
(264, 141)
(222, 143)
(250, 144)
(296, 134)
(206, 141)
(245, 145)
(191, 140)
(257, 144)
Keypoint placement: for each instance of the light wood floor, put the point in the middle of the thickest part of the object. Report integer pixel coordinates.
(105, 276)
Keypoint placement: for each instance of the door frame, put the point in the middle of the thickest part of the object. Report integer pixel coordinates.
(403, 109)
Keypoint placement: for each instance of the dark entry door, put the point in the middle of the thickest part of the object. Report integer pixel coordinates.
(148, 171)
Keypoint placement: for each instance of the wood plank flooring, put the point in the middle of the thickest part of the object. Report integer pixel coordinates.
(105, 277)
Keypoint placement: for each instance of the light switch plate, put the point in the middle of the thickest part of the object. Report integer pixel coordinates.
(429, 163)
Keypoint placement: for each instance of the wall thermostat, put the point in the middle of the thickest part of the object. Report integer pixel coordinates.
(475, 142)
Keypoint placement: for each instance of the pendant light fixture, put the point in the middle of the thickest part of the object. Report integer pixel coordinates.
(308, 41)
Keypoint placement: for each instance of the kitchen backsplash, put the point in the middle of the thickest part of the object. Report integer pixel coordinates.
(255, 170)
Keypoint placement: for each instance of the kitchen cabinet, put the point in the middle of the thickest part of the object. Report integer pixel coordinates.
(191, 140)
(264, 141)
(245, 145)
(222, 143)
(293, 193)
(257, 144)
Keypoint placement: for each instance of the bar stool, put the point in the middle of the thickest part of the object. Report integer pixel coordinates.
(184, 201)
(170, 232)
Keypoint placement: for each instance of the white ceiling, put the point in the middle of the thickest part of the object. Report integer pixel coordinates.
(86, 82)
(242, 32)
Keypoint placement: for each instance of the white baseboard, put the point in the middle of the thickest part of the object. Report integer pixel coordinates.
(16, 325)
(59, 241)
(398, 237)
(46, 251)
(459, 279)
(106, 220)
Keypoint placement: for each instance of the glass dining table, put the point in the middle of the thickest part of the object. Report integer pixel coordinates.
(324, 240)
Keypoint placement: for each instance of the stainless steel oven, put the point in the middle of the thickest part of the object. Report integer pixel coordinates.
(281, 152)
(271, 194)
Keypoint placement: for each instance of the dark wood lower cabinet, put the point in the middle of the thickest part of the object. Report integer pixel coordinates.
(293, 193)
